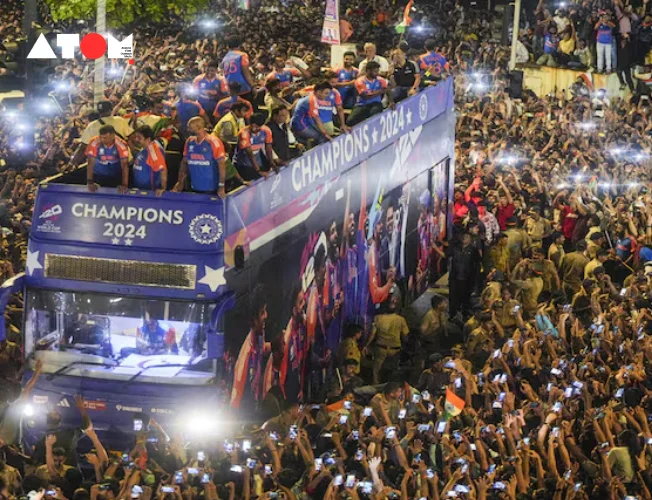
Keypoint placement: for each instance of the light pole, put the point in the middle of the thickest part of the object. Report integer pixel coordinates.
(100, 27)
(515, 30)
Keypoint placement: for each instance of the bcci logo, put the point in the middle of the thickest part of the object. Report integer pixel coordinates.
(423, 107)
(205, 229)
(51, 212)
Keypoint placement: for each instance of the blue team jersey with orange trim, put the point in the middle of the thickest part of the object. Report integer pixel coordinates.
(256, 141)
(305, 111)
(203, 158)
(433, 62)
(186, 110)
(328, 106)
(285, 76)
(347, 75)
(148, 165)
(224, 106)
(210, 91)
(232, 65)
(107, 158)
(364, 86)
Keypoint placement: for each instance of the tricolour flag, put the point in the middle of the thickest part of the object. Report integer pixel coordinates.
(407, 20)
(454, 404)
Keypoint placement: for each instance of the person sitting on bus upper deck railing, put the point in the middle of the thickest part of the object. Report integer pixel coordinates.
(108, 160)
(253, 154)
(370, 88)
(204, 159)
(150, 170)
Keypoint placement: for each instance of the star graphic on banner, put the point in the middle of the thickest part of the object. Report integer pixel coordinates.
(32, 263)
(128, 242)
(374, 135)
(408, 115)
(214, 278)
(205, 229)
(115, 241)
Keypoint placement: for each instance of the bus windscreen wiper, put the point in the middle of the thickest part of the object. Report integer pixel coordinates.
(66, 367)
(163, 365)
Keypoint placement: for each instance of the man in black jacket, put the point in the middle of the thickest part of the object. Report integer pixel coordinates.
(280, 137)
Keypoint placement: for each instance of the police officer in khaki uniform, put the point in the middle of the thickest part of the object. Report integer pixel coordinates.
(387, 332)
(600, 258)
(518, 242)
(499, 255)
(537, 227)
(595, 244)
(507, 309)
(572, 269)
(549, 275)
(529, 280)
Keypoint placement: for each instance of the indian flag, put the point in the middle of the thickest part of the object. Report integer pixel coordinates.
(454, 404)
(407, 20)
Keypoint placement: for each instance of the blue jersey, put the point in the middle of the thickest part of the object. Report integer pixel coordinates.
(433, 63)
(605, 34)
(304, 113)
(233, 64)
(256, 141)
(210, 91)
(186, 110)
(108, 159)
(550, 43)
(347, 75)
(203, 159)
(364, 86)
(148, 165)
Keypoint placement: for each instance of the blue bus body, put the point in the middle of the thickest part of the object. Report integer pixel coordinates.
(136, 301)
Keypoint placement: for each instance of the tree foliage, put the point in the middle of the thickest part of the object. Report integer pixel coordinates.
(124, 12)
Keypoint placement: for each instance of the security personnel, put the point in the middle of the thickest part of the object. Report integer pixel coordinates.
(537, 227)
(499, 255)
(388, 330)
(572, 268)
(230, 125)
(228, 129)
(506, 309)
(547, 271)
(528, 279)
(600, 258)
(518, 242)
(204, 159)
(595, 243)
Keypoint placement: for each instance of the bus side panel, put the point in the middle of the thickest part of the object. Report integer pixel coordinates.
(330, 269)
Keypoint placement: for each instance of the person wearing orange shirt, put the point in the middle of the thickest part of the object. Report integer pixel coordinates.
(236, 68)
(108, 160)
(204, 159)
(371, 89)
(254, 154)
(150, 170)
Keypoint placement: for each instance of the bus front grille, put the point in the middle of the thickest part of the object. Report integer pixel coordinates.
(127, 272)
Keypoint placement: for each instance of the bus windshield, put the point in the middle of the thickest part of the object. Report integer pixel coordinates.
(120, 336)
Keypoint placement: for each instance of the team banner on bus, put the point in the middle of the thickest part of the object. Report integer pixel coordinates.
(170, 223)
(330, 32)
(310, 174)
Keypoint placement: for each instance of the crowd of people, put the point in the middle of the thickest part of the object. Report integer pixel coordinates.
(531, 379)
